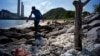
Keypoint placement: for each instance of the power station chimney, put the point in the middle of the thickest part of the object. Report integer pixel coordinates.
(22, 9)
(18, 9)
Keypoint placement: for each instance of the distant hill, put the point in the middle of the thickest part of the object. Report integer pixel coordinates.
(59, 13)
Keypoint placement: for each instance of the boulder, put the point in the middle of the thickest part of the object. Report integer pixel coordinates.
(5, 40)
(96, 51)
(2, 31)
(3, 37)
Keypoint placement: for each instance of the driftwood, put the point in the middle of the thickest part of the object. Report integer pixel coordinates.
(78, 23)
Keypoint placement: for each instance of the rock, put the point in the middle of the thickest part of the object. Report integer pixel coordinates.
(31, 28)
(17, 35)
(5, 40)
(25, 36)
(26, 30)
(68, 46)
(0, 53)
(6, 54)
(12, 29)
(2, 32)
(34, 49)
(31, 41)
(56, 33)
(84, 52)
(47, 28)
(98, 35)
(10, 33)
(48, 23)
(66, 54)
(13, 35)
(96, 51)
(30, 33)
(71, 30)
(72, 51)
(97, 39)
(96, 45)
(15, 30)
(3, 37)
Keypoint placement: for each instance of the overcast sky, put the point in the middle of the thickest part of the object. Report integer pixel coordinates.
(44, 5)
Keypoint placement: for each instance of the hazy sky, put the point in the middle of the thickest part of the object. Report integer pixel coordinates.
(44, 5)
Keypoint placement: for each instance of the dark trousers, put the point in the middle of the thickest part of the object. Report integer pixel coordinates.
(36, 25)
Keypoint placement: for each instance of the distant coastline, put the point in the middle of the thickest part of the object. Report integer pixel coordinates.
(7, 15)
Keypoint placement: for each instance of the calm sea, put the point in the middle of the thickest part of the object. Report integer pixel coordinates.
(11, 23)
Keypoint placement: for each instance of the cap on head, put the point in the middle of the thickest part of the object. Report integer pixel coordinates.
(33, 8)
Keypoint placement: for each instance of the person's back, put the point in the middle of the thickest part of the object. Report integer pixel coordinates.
(37, 14)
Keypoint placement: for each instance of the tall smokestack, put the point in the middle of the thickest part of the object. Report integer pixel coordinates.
(22, 9)
(18, 8)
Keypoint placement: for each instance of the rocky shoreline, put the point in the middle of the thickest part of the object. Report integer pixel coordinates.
(13, 37)
(58, 40)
